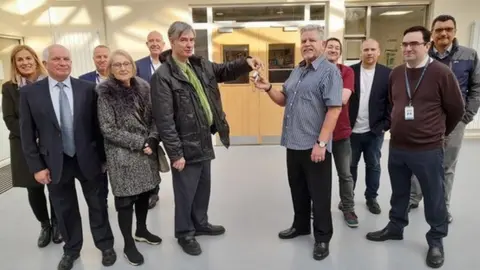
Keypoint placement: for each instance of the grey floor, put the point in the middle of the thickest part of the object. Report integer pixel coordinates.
(250, 196)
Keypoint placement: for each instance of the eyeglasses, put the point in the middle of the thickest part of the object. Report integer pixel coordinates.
(412, 44)
(119, 65)
(446, 29)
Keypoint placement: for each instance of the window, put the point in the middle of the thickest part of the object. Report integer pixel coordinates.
(356, 21)
(281, 61)
(250, 14)
(317, 12)
(387, 26)
(199, 15)
(201, 43)
(233, 52)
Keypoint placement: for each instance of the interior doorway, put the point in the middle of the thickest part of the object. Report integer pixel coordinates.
(253, 117)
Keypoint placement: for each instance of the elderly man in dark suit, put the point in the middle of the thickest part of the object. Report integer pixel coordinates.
(62, 112)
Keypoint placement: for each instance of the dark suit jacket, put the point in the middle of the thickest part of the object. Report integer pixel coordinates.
(379, 107)
(38, 116)
(144, 67)
(21, 176)
(90, 76)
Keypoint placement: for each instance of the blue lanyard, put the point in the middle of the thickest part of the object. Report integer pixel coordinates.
(97, 78)
(407, 82)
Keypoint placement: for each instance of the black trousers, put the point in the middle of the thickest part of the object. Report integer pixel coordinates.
(311, 182)
(38, 203)
(191, 188)
(65, 204)
(428, 167)
(104, 188)
(124, 206)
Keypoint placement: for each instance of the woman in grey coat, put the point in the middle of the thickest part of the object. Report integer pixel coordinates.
(131, 142)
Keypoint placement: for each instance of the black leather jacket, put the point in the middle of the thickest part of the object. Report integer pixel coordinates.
(181, 121)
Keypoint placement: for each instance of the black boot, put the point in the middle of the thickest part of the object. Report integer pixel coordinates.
(45, 235)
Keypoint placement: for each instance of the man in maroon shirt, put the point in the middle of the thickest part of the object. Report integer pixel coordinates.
(341, 149)
(426, 107)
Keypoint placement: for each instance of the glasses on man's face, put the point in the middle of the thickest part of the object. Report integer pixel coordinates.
(120, 65)
(446, 29)
(413, 44)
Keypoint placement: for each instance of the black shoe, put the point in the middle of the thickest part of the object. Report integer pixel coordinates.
(56, 236)
(133, 256)
(383, 235)
(66, 263)
(373, 206)
(109, 257)
(412, 206)
(435, 257)
(190, 245)
(210, 230)
(291, 233)
(45, 235)
(320, 251)
(152, 201)
(145, 236)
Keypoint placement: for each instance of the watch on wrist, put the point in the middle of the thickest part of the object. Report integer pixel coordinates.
(321, 144)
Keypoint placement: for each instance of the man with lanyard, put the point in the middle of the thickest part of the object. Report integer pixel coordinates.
(145, 69)
(426, 106)
(100, 59)
(464, 63)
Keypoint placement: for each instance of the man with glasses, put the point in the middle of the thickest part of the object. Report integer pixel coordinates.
(426, 106)
(464, 63)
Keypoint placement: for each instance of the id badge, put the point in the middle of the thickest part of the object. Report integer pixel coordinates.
(409, 115)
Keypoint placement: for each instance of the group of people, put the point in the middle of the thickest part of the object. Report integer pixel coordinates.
(105, 128)
(425, 103)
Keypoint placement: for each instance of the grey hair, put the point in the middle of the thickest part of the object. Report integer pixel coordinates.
(313, 27)
(177, 29)
(46, 51)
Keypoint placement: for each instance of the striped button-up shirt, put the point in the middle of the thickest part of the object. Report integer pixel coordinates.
(309, 91)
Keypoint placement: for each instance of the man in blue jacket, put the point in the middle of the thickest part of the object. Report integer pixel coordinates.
(465, 65)
(100, 58)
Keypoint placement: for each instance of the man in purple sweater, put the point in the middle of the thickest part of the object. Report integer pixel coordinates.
(426, 106)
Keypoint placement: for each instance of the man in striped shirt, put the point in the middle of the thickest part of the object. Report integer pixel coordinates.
(312, 97)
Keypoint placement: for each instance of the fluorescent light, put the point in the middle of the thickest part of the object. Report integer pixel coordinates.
(395, 13)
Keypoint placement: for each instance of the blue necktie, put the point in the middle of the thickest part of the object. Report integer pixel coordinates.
(66, 122)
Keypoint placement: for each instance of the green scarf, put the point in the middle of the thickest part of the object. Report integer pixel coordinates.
(193, 79)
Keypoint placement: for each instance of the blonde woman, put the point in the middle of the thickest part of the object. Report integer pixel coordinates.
(26, 68)
(131, 142)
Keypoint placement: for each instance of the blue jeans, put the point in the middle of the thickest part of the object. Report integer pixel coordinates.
(371, 146)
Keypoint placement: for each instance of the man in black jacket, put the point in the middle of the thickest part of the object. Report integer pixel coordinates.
(187, 108)
(369, 118)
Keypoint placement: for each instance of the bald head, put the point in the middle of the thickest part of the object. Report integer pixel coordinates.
(58, 62)
(155, 44)
(370, 52)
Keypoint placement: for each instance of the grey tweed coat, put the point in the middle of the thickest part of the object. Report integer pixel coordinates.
(131, 172)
